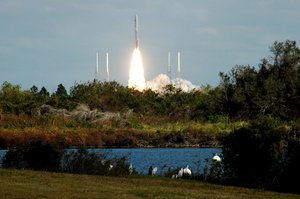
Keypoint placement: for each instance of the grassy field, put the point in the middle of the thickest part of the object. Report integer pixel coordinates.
(32, 184)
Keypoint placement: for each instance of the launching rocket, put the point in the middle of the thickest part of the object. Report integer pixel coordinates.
(136, 25)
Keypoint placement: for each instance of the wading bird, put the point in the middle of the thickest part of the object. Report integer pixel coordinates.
(216, 158)
(152, 170)
(183, 171)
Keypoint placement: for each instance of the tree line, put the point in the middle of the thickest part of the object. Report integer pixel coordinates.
(245, 92)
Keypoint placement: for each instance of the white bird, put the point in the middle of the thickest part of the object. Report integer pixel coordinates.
(216, 158)
(187, 171)
(180, 173)
(174, 176)
(103, 162)
(152, 170)
(184, 171)
(130, 169)
(110, 167)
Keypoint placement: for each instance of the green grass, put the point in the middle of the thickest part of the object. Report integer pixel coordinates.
(33, 184)
(210, 127)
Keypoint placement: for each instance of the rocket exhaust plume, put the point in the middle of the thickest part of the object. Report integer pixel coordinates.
(136, 73)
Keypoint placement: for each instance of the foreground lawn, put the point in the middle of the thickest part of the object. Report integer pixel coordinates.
(33, 184)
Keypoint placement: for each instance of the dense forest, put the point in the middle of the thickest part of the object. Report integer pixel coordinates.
(253, 114)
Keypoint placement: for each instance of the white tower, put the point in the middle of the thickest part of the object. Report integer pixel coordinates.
(107, 69)
(97, 67)
(179, 66)
(169, 66)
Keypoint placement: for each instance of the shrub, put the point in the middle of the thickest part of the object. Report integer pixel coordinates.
(82, 161)
(290, 173)
(121, 167)
(36, 156)
(46, 157)
(15, 159)
(254, 155)
(212, 171)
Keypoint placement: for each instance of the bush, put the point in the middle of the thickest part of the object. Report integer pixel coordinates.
(290, 173)
(83, 161)
(46, 157)
(213, 171)
(121, 167)
(14, 158)
(254, 155)
(36, 156)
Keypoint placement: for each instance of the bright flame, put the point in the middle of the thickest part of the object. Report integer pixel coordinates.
(136, 74)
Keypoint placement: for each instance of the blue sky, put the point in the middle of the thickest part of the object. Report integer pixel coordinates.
(48, 42)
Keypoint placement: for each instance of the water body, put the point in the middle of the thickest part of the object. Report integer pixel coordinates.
(2, 154)
(162, 158)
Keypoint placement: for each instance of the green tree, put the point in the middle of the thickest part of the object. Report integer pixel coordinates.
(11, 98)
(34, 89)
(88, 93)
(43, 92)
(61, 99)
(227, 89)
(208, 105)
(278, 80)
(272, 89)
(61, 91)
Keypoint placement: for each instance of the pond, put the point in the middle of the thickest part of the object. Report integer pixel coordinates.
(162, 158)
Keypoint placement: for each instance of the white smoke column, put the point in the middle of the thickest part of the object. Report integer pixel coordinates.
(185, 85)
(136, 73)
(159, 83)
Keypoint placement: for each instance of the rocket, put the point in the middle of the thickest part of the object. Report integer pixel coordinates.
(136, 24)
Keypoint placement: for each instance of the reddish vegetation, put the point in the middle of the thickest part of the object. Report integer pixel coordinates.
(22, 130)
(12, 138)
